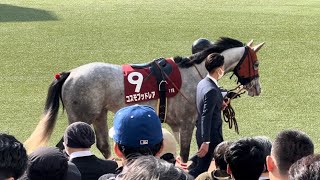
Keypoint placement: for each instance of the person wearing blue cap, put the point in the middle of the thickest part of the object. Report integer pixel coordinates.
(136, 132)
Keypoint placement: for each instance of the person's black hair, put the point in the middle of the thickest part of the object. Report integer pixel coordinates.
(290, 146)
(132, 152)
(267, 145)
(245, 158)
(13, 157)
(169, 157)
(213, 61)
(150, 167)
(307, 168)
(218, 155)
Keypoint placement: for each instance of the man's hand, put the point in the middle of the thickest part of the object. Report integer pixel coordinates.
(203, 150)
(233, 95)
(225, 103)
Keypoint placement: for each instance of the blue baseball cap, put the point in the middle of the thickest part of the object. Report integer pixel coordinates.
(136, 126)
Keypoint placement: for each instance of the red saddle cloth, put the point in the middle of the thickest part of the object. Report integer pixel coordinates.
(141, 85)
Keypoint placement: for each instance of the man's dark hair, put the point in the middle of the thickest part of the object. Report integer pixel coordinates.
(213, 61)
(267, 145)
(245, 158)
(307, 168)
(131, 152)
(218, 155)
(290, 146)
(13, 157)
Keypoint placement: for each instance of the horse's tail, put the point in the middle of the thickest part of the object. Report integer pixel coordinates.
(44, 129)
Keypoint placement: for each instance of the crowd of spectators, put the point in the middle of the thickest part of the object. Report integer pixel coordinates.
(148, 152)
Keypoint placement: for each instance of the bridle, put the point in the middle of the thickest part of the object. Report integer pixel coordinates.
(247, 68)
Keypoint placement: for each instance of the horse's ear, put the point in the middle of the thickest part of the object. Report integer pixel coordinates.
(250, 43)
(258, 47)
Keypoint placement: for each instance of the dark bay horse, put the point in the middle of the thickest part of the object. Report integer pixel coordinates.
(88, 92)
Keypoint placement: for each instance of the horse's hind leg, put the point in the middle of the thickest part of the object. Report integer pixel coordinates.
(100, 126)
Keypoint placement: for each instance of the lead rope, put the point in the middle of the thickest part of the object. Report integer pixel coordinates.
(198, 71)
(229, 115)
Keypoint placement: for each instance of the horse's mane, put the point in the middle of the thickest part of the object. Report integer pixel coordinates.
(219, 46)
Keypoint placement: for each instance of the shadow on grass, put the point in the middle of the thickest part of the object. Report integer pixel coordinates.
(10, 13)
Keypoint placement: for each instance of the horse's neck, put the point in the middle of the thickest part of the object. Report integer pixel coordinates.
(198, 71)
(231, 58)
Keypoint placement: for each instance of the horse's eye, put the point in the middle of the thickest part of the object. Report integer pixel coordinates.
(256, 65)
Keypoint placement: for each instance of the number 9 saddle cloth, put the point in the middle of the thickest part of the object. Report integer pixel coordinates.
(142, 82)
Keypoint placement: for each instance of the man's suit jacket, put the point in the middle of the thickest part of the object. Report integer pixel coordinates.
(91, 167)
(209, 103)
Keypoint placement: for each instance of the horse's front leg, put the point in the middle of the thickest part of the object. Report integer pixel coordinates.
(100, 127)
(186, 132)
(176, 132)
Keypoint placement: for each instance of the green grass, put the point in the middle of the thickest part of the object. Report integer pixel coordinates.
(39, 39)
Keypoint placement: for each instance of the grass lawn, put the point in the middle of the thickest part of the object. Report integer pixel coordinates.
(41, 38)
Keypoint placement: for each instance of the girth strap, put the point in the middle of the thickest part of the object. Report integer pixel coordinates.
(161, 82)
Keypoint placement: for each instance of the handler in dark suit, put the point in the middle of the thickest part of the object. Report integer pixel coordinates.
(209, 105)
(78, 139)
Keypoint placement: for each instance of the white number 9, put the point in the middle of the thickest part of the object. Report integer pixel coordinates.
(137, 82)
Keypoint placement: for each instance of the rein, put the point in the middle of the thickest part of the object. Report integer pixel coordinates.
(229, 115)
(198, 71)
(180, 90)
(174, 85)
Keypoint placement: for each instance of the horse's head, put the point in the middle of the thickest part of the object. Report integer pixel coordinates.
(240, 59)
(247, 69)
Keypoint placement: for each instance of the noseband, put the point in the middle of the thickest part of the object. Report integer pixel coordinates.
(247, 68)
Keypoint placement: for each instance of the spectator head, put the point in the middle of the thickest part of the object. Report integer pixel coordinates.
(218, 155)
(307, 168)
(267, 145)
(150, 167)
(78, 136)
(49, 163)
(13, 157)
(245, 159)
(169, 151)
(200, 45)
(213, 62)
(288, 147)
(136, 131)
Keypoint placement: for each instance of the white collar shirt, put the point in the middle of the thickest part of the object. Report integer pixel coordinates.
(80, 154)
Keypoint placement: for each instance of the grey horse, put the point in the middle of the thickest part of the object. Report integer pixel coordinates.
(88, 92)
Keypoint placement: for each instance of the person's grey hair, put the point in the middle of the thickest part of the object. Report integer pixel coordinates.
(306, 168)
(153, 168)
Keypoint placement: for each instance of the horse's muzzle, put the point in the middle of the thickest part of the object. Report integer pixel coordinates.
(253, 88)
